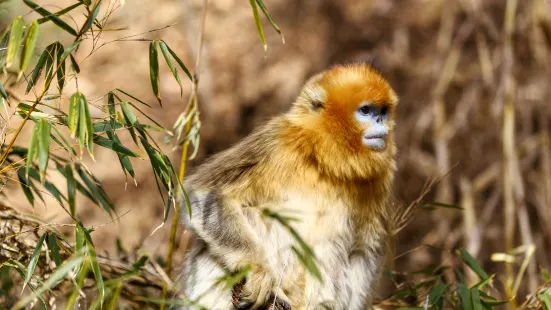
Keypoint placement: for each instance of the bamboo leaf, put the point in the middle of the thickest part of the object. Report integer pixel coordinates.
(71, 186)
(61, 71)
(74, 64)
(82, 124)
(54, 248)
(34, 259)
(82, 274)
(269, 17)
(154, 70)
(546, 298)
(475, 298)
(30, 44)
(50, 63)
(465, 297)
(114, 146)
(60, 12)
(89, 127)
(180, 62)
(38, 69)
(258, 24)
(129, 95)
(3, 92)
(44, 146)
(111, 109)
(69, 50)
(74, 113)
(25, 186)
(166, 55)
(91, 18)
(16, 35)
(46, 14)
(53, 280)
(471, 262)
(94, 262)
(31, 151)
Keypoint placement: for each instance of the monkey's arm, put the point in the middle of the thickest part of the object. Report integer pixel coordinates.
(232, 242)
(222, 225)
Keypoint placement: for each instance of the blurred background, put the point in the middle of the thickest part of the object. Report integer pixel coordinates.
(474, 117)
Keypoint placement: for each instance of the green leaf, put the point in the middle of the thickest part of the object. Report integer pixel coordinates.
(130, 120)
(179, 61)
(25, 186)
(91, 18)
(61, 71)
(545, 275)
(89, 127)
(52, 281)
(52, 49)
(83, 273)
(30, 44)
(129, 95)
(475, 298)
(16, 35)
(471, 262)
(87, 2)
(269, 17)
(129, 114)
(44, 146)
(437, 293)
(34, 259)
(46, 14)
(79, 238)
(465, 297)
(3, 92)
(38, 69)
(111, 109)
(54, 248)
(94, 262)
(96, 190)
(31, 151)
(60, 12)
(166, 55)
(74, 64)
(546, 298)
(71, 186)
(74, 112)
(154, 70)
(105, 126)
(69, 50)
(258, 24)
(114, 146)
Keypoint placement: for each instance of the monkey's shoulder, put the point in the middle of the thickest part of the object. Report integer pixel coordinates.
(240, 162)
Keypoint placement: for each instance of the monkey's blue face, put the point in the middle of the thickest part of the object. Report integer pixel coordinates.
(373, 119)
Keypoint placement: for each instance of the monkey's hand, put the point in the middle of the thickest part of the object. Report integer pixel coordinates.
(257, 291)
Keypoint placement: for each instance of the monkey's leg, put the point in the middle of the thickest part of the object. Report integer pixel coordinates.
(231, 240)
(201, 274)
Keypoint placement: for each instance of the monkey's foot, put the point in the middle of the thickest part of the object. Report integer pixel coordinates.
(240, 302)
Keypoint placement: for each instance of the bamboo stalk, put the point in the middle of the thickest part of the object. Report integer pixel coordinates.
(193, 102)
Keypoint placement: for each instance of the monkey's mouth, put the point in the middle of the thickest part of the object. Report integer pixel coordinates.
(374, 142)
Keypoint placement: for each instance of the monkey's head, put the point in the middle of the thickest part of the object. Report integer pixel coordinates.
(347, 117)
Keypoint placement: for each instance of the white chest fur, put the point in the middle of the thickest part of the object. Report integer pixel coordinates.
(347, 258)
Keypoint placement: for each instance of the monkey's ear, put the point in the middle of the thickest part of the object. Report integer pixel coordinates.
(315, 96)
(316, 105)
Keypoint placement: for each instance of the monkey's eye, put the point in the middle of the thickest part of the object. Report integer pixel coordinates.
(367, 110)
(384, 110)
